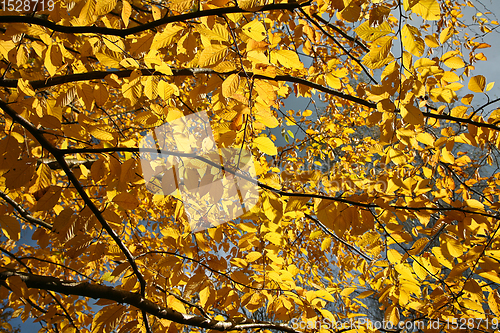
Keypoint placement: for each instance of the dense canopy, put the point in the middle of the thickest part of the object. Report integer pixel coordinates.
(371, 206)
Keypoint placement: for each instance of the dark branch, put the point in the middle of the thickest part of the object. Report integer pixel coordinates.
(148, 26)
(98, 75)
(62, 162)
(98, 291)
(24, 213)
(343, 34)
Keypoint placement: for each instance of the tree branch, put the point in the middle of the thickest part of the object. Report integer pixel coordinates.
(62, 162)
(24, 213)
(317, 25)
(98, 291)
(148, 26)
(98, 75)
(343, 34)
(270, 188)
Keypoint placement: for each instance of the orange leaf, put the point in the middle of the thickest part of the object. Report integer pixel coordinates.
(126, 201)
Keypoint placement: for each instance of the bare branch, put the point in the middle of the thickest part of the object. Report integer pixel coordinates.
(98, 291)
(24, 213)
(62, 162)
(148, 26)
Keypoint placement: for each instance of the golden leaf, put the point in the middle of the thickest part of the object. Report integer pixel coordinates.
(10, 227)
(166, 37)
(369, 33)
(412, 41)
(477, 83)
(454, 62)
(212, 55)
(230, 85)
(412, 115)
(25, 87)
(255, 30)
(264, 144)
(427, 9)
(287, 58)
(126, 12)
(49, 199)
(126, 201)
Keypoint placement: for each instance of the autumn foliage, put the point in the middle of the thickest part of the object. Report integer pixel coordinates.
(381, 194)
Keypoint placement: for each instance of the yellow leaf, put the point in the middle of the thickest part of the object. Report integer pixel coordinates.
(274, 238)
(17, 285)
(212, 55)
(418, 269)
(218, 32)
(369, 33)
(5, 47)
(166, 37)
(333, 81)
(454, 62)
(396, 156)
(426, 139)
(265, 145)
(108, 59)
(156, 12)
(108, 318)
(431, 41)
(225, 66)
(25, 87)
(126, 201)
(490, 86)
(352, 12)
(427, 9)
(477, 83)
(87, 12)
(151, 87)
(129, 63)
(10, 227)
(101, 133)
(450, 77)
(20, 172)
(44, 178)
(49, 199)
(453, 246)
(418, 246)
(392, 314)
(287, 58)
(255, 30)
(445, 35)
(100, 94)
(250, 5)
(347, 291)
(408, 4)
(473, 203)
(379, 54)
(447, 156)
(53, 59)
(126, 12)
(412, 115)
(306, 113)
(412, 41)
(394, 256)
(165, 90)
(325, 244)
(252, 256)
(230, 85)
(164, 69)
(103, 7)
(492, 276)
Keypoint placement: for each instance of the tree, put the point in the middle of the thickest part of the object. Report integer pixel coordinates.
(117, 115)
